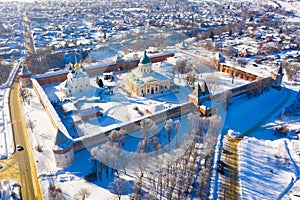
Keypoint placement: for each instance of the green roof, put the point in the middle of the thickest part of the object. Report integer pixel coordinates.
(145, 59)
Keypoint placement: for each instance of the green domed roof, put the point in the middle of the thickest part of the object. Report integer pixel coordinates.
(145, 59)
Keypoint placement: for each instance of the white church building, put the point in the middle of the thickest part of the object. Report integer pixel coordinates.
(144, 81)
(77, 81)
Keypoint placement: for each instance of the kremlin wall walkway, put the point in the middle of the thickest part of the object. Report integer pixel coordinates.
(229, 183)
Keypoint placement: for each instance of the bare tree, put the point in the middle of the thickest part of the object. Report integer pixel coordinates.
(176, 129)
(149, 129)
(4, 72)
(291, 71)
(30, 124)
(242, 62)
(95, 163)
(43, 60)
(25, 94)
(181, 66)
(137, 189)
(168, 127)
(55, 192)
(190, 79)
(119, 187)
(82, 194)
(228, 98)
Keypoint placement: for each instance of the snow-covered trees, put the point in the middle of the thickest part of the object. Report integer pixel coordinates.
(168, 127)
(190, 79)
(110, 156)
(119, 187)
(149, 128)
(161, 171)
(117, 136)
(25, 95)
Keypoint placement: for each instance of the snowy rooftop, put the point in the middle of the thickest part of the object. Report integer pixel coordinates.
(262, 71)
(50, 74)
(153, 77)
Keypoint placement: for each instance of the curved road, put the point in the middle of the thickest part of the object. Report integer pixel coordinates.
(229, 189)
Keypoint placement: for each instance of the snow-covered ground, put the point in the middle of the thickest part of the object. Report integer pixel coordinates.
(6, 137)
(9, 189)
(268, 164)
(121, 108)
(138, 39)
(71, 179)
(286, 5)
(245, 113)
(257, 151)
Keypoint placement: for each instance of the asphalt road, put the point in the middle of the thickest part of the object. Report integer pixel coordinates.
(29, 43)
(24, 160)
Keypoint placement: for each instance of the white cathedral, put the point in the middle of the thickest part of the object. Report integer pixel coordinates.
(144, 81)
(77, 81)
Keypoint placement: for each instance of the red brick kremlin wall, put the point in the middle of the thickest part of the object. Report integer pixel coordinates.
(109, 67)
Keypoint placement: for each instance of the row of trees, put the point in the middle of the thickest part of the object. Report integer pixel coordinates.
(171, 179)
(43, 60)
(291, 71)
(4, 72)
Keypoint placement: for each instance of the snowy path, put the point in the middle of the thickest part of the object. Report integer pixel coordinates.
(297, 174)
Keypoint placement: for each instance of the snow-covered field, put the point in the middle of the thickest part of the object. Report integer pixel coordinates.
(268, 164)
(245, 113)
